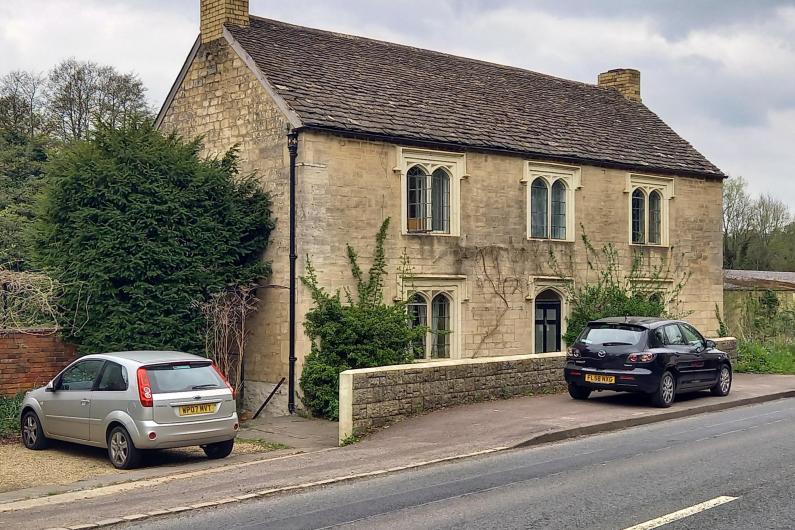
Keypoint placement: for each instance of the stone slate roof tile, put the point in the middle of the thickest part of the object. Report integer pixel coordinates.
(363, 86)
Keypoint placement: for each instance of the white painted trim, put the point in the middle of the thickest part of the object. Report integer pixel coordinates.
(345, 405)
(178, 82)
(454, 163)
(281, 104)
(456, 362)
(550, 173)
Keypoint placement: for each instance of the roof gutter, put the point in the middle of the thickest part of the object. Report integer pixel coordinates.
(451, 146)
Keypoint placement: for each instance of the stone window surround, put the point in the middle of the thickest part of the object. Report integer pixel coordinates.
(647, 184)
(453, 163)
(455, 287)
(537, 285)
(647, 285)
(550, 173)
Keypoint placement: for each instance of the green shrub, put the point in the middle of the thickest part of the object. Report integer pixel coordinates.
(137, 228)
(638, 292)
(359, 332)
(752, 357)
(9, 415)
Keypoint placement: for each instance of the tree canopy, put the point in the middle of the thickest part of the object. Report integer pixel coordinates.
(138, 228)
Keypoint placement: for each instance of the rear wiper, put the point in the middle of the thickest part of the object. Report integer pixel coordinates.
(199, 387)
(616, 344)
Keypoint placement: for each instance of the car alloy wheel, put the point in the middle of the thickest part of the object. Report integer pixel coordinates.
(119, 448)
(667, 390)
(30, 428)
(725, 379)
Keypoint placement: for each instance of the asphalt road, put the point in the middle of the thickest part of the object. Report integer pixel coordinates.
(743, 457)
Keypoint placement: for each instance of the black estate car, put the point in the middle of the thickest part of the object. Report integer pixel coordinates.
(639, 354)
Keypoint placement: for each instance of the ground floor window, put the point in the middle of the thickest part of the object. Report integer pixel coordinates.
(432, 310)
(548, 322)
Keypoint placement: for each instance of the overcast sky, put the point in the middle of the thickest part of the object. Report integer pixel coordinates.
(720, 72)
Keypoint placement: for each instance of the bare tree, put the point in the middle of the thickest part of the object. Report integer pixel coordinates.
(738, 221)
(82, 94)
(21, 102)
(770, 216)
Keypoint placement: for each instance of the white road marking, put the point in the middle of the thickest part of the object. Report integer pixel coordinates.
(681, 514)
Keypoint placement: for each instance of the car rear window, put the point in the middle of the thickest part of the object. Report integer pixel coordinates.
(183, 377)
(612, 334)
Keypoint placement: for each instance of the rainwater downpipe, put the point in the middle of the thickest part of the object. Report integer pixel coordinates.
(292, 147)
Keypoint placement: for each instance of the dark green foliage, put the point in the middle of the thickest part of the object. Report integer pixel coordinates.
(355, 333)
(637, 292)
(774, 357)
(9, 415)
(138, 228)
(723, 330)
(21, 175)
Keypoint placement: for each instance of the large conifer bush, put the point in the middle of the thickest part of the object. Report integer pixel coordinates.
(138, 228)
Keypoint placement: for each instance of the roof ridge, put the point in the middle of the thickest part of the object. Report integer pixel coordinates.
(435, 52)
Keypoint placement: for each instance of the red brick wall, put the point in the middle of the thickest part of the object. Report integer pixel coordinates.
(29, 360)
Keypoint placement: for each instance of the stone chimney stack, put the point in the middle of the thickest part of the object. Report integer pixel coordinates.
(625, 80)
(216, 13)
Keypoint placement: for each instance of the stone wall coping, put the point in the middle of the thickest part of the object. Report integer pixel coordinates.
(428, 365)
(29, 331)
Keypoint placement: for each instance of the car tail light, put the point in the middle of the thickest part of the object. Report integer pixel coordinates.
(645, 357)
(234, 394)
(144, 388)
(152, 435)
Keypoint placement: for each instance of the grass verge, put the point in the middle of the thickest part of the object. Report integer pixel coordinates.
(765, 358)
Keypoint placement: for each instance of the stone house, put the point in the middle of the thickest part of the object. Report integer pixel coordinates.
(490, 175)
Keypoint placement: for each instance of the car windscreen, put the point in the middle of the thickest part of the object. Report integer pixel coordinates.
(183, 377)
(612, 334)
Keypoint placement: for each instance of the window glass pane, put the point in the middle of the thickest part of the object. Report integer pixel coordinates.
(417, 200)
(552, 336)
(611, 333)
(440, 326)
(182, 377)
(655, 217)
(440, 197)
(418, 316)
(691, 336)
(559, 210)
(539, 338)
(82, 375)
(538, 208)
(548, 323)
(638, 217)
(114, 378)
(673, 336)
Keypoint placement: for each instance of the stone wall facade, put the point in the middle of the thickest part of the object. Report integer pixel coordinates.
(29, 360)
(372, 398)
(347, 187)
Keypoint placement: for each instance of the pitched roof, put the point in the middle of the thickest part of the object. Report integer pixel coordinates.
(367, 87)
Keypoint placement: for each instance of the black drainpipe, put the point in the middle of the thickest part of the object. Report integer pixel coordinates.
(292, 146)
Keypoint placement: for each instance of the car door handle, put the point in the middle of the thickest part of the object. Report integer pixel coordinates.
(85, 401)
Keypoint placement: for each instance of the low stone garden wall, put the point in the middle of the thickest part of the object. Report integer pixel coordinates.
(372, 398)
(30, 359)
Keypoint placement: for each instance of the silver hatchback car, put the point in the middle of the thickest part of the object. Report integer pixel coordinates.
(133, 401)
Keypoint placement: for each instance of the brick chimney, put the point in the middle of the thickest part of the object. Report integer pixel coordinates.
(625, 80)
(216, 13)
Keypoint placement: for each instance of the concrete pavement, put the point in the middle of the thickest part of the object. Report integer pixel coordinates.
(448, 434)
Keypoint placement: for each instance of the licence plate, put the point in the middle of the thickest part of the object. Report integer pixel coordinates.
(190, 410)
(604, 379)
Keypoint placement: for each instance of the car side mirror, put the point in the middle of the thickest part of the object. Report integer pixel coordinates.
(710, 344)
(50, 387)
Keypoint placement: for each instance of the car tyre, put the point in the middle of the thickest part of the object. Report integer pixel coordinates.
(121, 451)
(724, 384)
(32, 432)
(219, 449)
(579, 392)
(663, 397)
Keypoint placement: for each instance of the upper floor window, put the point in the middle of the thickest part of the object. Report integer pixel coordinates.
(550, 201)
(428, 204)
(430, 191)
(649, 199)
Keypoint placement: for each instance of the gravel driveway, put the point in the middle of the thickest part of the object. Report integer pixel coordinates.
(64, 463)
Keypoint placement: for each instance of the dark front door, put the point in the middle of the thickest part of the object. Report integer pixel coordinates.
(547, 326)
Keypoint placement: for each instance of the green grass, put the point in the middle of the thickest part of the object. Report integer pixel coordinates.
(350, 439)
(264, 444)
(765, 358)
(9, 415)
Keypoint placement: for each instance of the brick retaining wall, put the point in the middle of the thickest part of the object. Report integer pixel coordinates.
(30, 359)
(372, 398)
